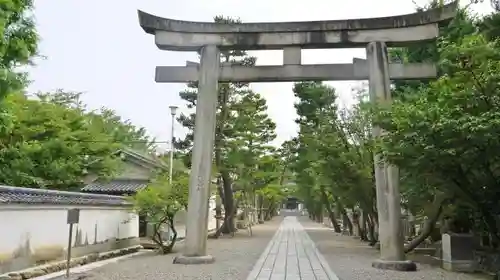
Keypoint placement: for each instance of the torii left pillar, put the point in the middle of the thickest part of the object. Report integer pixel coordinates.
(195, 249)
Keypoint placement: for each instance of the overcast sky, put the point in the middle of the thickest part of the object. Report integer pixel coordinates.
(98, 48)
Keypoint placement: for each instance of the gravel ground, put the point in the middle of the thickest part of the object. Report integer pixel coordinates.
(235, 258)
(351, 260)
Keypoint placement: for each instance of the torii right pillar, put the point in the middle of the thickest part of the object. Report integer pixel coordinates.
(392, 254)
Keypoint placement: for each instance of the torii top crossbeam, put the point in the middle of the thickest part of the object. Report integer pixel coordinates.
(395, 31)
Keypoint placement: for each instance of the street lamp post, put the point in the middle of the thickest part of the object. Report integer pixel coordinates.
(173, 111)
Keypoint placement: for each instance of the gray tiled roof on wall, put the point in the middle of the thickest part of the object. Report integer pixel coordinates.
(146, 157)
(116, 186)
(16, 195)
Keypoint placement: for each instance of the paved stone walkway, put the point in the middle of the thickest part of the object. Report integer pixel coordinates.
(351, 259)
(235, 257)
(291, 255)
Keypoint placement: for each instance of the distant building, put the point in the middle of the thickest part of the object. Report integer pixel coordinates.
(136, 173)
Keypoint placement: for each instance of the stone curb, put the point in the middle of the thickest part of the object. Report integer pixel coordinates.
(55, 269)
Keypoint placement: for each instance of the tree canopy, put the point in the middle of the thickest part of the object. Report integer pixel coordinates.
(18, 44)
(63, 142)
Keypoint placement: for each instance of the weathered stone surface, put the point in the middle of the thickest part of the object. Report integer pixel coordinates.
(190, 36)
(79, 276)
(395, 37)
(458, 252)
(282, 73)
(208, 259)
(201, 168)
(151, 23)
(395, 265)
(390, 228)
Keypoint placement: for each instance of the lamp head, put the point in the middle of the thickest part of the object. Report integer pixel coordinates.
(173, 110)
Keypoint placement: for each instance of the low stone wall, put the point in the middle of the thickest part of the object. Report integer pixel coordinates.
(62, 265)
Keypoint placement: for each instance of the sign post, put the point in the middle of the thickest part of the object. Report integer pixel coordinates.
(73, 217)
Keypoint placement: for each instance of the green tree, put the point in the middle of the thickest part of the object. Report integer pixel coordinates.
(54, 142)
(333, 156)
(122, 131)
(159, 203)
(18, 45)
(272, 196)
(242, 136)
(55, 149)
(440, 133)
(447, 134)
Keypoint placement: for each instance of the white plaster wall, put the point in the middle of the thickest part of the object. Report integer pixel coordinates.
(46, 225)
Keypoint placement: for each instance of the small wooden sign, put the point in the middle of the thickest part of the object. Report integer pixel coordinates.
(73, 216)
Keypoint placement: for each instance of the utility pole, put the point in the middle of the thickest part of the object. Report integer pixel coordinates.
(173, 111)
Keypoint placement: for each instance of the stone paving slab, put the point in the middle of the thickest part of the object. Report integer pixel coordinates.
(351, 259)
(291, 255)
(234, 256)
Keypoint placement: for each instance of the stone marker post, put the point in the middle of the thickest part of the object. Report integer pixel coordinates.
(386, 176)
(195, 249)
(458, 252)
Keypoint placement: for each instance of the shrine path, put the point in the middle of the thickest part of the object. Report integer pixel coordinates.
(287, 248)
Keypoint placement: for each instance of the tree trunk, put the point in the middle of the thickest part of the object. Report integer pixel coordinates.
(260, 205)
(491, 224)
(319, 216)
(371, 230)
(429, 226)
(355, 221)
(331, 214)
(157, 235)
(271, 210)
(347, 220)
(227, 226)
(168, 249)
(362, 227)
(227, 186)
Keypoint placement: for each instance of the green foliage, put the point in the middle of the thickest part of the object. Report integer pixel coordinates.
(49, 140)
(443, 134)
(332, 151)
(52, 141)
(51, 150)
(18, 43)
(159, 203)
(449, 130)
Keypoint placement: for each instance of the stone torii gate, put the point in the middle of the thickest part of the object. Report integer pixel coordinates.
(374, 34)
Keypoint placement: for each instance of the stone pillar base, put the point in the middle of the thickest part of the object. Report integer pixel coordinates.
(208, 259)
(395, 265)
